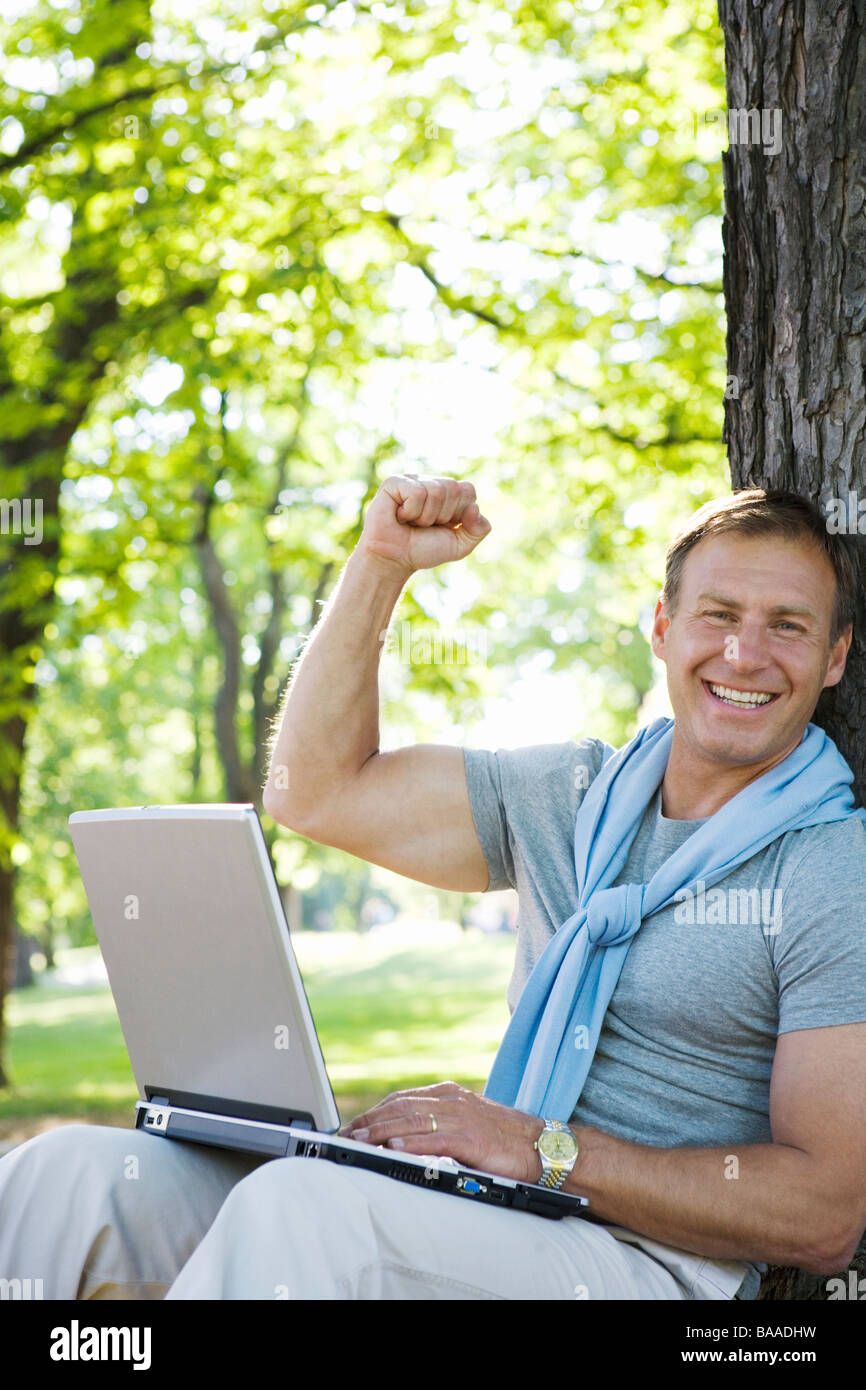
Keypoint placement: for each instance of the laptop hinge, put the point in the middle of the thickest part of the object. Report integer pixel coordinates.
(220, 1105)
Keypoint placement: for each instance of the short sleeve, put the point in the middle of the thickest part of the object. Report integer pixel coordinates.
(819, 952)
(488, 813)
(524, 802)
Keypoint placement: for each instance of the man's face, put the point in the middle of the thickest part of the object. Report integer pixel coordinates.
(752, 619)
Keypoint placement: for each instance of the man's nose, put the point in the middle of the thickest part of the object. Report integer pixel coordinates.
(747, 649)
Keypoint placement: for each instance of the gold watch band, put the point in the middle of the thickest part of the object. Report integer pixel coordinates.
(554, 1175)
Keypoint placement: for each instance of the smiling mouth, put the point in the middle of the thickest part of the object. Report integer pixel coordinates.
(741, 699)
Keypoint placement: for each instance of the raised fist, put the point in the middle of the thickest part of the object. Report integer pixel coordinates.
(416, 523)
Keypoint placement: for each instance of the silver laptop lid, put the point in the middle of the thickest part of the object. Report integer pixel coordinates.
(199, 958)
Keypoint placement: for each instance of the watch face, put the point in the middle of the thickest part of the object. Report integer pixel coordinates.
(560, 1146)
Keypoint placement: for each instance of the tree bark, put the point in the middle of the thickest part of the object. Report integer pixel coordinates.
(795, 279)
(795, 291)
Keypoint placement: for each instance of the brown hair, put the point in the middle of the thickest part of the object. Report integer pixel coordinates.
(755, 512)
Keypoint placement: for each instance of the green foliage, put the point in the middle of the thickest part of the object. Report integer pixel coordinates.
(389, 1014)
(233, 244)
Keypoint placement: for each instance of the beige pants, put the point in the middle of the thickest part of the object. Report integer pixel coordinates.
(97, 1212)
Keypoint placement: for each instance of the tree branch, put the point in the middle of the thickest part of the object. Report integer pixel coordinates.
(180, 78)
(664, 278)
(47, 137)
(638, 442)
(452, 301)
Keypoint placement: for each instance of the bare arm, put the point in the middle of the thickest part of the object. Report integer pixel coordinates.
(800, 1200)
(407, 810)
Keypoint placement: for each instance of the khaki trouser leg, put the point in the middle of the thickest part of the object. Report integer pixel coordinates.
(98, 1212)
(95, 1212)
(304, 1229)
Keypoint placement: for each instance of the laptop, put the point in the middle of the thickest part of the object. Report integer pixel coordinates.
(212, 1006)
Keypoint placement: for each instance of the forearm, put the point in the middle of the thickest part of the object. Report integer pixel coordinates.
(752, 1202)
(329, 724)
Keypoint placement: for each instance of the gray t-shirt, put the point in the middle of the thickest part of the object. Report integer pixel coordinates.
(686, 1049)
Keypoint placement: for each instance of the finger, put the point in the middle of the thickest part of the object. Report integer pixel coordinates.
(440, 501)
(375, 1110)
(455, 502)
(410, 494)
(396, 1119)
(465, 501)
(433, 504)
(430, 1145)
(474, 523)
(416, 1097)
(458, 496)
(403, 1123)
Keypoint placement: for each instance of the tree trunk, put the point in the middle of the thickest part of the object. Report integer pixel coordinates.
(795, 292)
(795, 278)
(28, 573)
(22, 973)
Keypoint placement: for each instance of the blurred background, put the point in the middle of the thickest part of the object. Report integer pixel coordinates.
(254, 258)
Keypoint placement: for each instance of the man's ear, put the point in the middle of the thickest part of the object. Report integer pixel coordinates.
(661, 623)
(838, 657)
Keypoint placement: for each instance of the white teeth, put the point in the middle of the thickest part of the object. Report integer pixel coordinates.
(739, 697)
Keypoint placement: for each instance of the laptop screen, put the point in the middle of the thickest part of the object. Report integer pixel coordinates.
(199, 957)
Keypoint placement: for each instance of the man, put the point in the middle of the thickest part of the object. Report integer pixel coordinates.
(721, 1124)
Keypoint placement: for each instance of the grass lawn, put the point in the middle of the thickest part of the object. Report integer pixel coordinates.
(393, 1009)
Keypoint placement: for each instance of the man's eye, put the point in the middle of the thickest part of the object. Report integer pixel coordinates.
(720, 614)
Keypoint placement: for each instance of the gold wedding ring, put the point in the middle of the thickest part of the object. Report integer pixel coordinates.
(434, 1124)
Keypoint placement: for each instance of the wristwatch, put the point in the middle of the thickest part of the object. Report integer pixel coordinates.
(558, 1150)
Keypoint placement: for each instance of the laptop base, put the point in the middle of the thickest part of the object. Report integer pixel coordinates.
(271, 1140)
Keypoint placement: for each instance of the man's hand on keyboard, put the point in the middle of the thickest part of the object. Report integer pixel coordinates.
(449, 1119)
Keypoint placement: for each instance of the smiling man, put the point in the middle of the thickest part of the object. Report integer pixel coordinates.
(702, 1080)
(760, 631)
(722, 1111)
